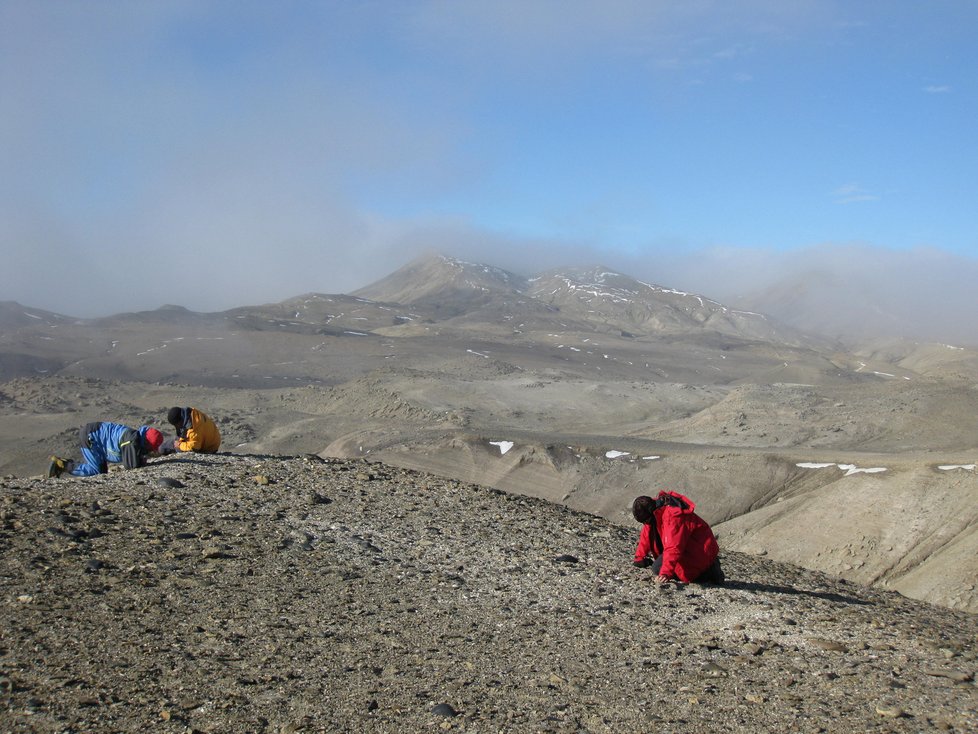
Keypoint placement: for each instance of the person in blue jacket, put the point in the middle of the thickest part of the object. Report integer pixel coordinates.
(104, 443)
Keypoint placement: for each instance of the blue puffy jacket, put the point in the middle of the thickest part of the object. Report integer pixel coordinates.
(105, 443)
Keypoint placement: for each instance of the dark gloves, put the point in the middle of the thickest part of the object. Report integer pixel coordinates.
(644, 563)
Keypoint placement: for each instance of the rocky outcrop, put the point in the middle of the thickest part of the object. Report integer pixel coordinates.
(239, 593)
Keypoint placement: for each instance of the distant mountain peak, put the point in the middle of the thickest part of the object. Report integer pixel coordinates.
(591, 294)
(481, 270)
(435, 277)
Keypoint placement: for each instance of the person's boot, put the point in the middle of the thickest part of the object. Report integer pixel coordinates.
(59, 466)
(717, 573)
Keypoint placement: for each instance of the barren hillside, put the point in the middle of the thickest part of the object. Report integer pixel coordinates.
(602, 386)
(248, 593)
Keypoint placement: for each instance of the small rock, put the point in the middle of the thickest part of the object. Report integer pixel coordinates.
(566, 558)
(714, 671)
(556, 680)
(367, 545)
(957, 676)
(830, 645)
(445, 710)
(890, 710)
(261, 479)
(171, 483)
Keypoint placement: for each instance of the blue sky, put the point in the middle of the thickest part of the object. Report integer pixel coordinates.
(215, 154)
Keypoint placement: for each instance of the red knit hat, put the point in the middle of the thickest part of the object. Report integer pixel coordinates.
(154, 439)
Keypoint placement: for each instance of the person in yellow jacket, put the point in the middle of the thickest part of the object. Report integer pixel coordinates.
(195, 431)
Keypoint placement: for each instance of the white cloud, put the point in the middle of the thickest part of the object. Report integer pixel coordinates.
(219, 142)
(937, 89)
(922, 293)
(562, 32)
(852, 193)
(734, 51)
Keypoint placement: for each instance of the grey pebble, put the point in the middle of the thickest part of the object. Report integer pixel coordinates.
(444, 709)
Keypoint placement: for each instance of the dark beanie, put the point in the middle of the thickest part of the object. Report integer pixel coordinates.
(175, 416)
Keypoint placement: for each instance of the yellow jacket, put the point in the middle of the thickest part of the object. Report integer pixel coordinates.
(202, 435)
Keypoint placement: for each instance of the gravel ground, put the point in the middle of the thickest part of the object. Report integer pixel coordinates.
(235, 593)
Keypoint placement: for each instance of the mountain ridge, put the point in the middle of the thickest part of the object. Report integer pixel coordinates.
(850, 305)
(444, 288)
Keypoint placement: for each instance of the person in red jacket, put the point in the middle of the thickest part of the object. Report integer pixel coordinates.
(675, 542)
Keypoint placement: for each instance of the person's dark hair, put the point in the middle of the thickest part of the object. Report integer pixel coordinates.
(174, 416)
(642, 509)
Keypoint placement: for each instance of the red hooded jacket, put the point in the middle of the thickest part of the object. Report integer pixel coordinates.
(688, 546)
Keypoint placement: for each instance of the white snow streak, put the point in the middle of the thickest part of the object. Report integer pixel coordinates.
(849, 469)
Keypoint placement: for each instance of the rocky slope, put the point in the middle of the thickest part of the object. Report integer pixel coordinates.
(247, 593)
(603, 385)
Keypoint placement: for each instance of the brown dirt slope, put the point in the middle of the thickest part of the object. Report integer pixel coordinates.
(274, 594)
